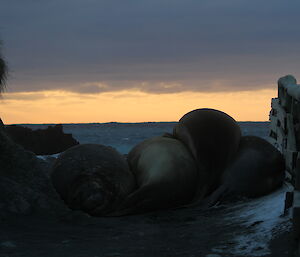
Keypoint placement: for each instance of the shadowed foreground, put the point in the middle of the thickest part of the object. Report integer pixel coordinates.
(181, 232)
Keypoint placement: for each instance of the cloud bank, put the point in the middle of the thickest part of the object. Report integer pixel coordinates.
(155, 46)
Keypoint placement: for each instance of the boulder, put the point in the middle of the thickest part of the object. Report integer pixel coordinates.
(47, 141)
(25, 186)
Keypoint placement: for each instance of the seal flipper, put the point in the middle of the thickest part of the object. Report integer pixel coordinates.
(131, 203)
(145, 199)
(205, 202)
(198, 198)
(215, 197)
(169, 135)
(136, 203)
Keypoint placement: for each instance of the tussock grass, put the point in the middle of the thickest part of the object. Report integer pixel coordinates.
(3, 73)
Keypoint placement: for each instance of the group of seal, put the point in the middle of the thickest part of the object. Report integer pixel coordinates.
(204, 160)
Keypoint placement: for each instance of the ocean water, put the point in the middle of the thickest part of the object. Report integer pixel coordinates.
(124, 136)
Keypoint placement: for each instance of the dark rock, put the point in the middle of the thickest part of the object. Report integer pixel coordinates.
(25, 187)
(47, 141)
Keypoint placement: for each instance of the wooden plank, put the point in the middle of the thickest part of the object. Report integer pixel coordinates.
(295, 107)
(273, 124)
(281, 139)
(286, 80)
(290, 161)
(274, 142)
(291, 139)
(288, 177)
(288, 202)
(296, 199)
(272, 116)
(293, 90)
(288, 84)
(280, 113)
(289, 186)
(274, 103)
(296, 122)
(296, 214)
(297, 173)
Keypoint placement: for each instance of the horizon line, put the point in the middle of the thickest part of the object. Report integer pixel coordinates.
(111, 122)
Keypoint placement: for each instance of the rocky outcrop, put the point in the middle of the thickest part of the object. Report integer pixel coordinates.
(47, 141)
(25, 187)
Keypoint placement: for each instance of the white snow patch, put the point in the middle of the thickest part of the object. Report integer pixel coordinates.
(45, 157)
(8, 244)
(262, 218)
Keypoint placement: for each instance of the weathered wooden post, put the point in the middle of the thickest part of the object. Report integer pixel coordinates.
(285, 135)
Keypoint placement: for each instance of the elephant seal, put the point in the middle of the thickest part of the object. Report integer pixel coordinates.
(93, 178)
(213, 138)
(166, 175)
(257, 170)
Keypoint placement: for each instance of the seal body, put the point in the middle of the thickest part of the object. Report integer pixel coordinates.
(93, 178)
(257, 170)
(213, 138)
(166, 175)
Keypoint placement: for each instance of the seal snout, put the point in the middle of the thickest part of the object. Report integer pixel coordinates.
(93, 201)
(87, 196)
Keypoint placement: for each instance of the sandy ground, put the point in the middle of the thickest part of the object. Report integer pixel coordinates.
(246, 228)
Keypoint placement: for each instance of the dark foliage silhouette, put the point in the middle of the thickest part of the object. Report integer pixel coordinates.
(3, 73)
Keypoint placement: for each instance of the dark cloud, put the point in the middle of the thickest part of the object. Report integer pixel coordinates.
(25, 96)
(157, 46)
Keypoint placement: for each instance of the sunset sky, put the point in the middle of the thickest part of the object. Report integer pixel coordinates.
(77, 61)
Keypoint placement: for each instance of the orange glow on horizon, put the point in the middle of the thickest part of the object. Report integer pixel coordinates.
(129, 106)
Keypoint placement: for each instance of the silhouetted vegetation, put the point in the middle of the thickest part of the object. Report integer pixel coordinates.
(3, 73)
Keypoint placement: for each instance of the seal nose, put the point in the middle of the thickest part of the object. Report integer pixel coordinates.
(93, 201)
(88, 196)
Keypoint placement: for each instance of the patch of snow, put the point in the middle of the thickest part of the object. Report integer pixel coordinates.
(259, 219)
(219, 249)
(45, 157)
(8, 244)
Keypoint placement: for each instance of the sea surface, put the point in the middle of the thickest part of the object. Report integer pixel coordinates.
(124, 136)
